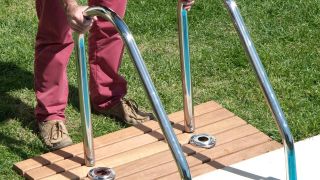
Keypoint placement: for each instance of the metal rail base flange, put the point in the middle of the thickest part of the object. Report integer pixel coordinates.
(101, 173)
(203, 140)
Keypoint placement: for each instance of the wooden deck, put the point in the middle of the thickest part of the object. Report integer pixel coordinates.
(140, 152)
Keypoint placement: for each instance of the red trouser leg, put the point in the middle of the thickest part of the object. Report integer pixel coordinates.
(53, 48)
(105, 53)
(54, 45)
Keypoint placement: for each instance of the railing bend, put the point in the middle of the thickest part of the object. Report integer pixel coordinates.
(266, 87)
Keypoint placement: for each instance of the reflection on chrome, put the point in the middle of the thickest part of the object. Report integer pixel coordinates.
(189, 125)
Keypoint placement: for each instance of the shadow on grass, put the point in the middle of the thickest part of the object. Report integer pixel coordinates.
(12, 78)
(18, 147)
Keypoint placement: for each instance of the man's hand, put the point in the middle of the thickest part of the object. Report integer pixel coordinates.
(187, 4)
(75, 18)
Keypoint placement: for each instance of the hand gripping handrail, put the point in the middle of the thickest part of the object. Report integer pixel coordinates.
(269, 94)
(135, 55)
(189, 125)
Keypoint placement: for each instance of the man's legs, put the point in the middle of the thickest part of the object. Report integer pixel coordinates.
(54, 45)
(52, 51)
(107, 87)
(105, 53)
(53, 48)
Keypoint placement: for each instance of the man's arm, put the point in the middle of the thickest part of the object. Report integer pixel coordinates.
(187, 4)
(80, 24)
(68, 3)
(75, 17)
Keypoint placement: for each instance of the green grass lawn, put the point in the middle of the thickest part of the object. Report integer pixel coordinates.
(285, 34)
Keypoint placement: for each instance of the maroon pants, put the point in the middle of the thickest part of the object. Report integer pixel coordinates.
(54, 45)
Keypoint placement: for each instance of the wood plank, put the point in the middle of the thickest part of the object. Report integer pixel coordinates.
(198, 110)
(107, 151)
(150, 149)
(51, 157)
(200, 157)
(228, 160)
(165, 157)
(129, 156)
(123, 146)
(237, 157)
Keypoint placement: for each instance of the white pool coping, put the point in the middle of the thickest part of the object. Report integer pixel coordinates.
(271, 166)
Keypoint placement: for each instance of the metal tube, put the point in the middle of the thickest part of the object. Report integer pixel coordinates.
(85, 111)
(266, 87)
(164, 122)
(189, 125)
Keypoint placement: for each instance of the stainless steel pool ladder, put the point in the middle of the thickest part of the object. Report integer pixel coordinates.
(266, 87)
(135, 55)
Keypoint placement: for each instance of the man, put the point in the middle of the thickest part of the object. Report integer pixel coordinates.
(54, 44)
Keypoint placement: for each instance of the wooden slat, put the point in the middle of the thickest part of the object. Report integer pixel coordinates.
(129, 156)
(107, 151)
(237, 157)
(198, 110)
(165, 157)
(228, 160)
(200, 157)
(122, 146)
(51, 157)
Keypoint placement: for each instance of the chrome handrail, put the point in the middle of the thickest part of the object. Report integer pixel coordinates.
(135, 55)
(189, 124)
(266, 87)
(84, 100)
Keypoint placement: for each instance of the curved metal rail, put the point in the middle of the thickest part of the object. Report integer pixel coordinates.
(189, 125)
(84, 100)
(164, 122)
(269, 94)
